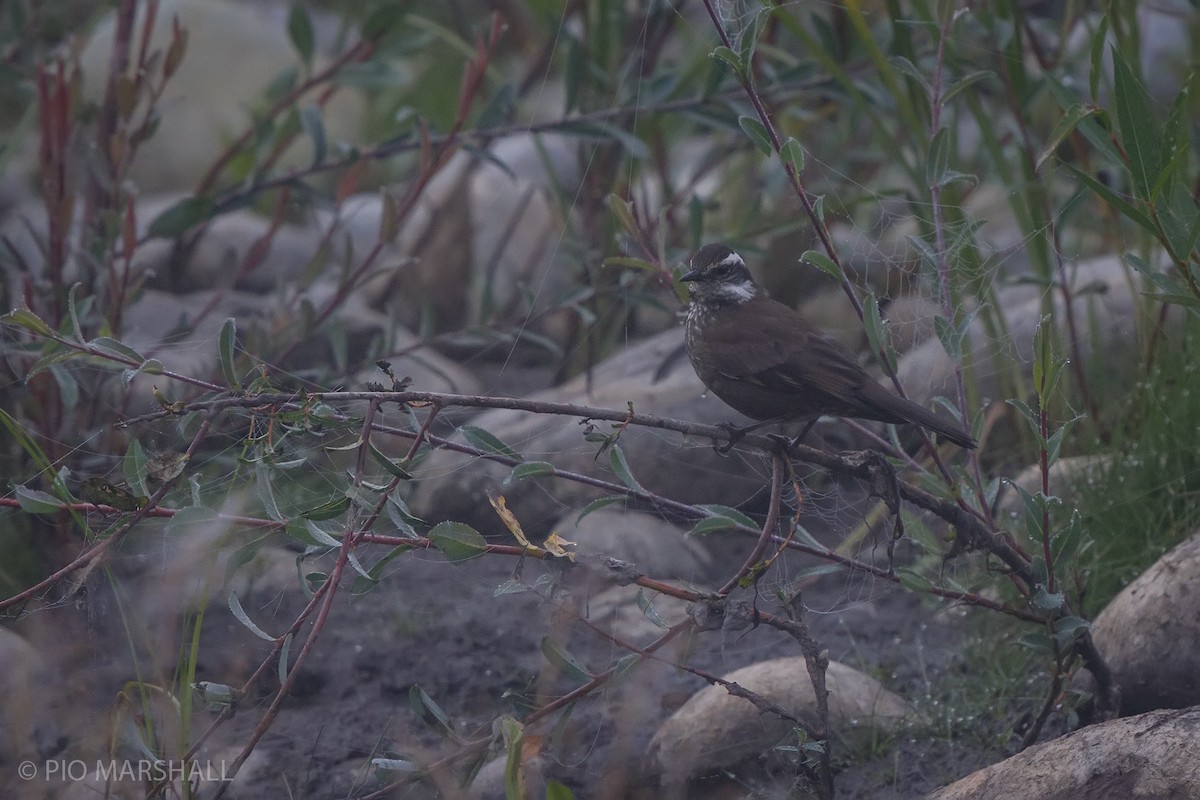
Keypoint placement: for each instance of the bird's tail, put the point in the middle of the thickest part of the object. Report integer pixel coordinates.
(908, 411)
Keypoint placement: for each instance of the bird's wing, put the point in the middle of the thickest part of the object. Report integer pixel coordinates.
(771, 351)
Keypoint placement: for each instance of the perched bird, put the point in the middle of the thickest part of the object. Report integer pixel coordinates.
(768, 362)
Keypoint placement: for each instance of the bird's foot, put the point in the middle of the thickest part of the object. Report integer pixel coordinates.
(735, 435)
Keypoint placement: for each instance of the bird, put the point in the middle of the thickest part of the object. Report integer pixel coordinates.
(764, 359)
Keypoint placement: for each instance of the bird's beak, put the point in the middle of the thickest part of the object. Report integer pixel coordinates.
(690, 275)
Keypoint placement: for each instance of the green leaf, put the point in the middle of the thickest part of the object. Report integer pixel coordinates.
(729, 57)
(1044, 601)
(757, 133)
(1066, 125)
(265, 490)
(1097, 134)
(532, 469)
(24, 318)
(35, 501)
(388, 463)
(712, 525)
(134, 466)
(382, 20)
(563, 660)
(1099, 39)
(937, 162)
(557, 791)
(499, 108)
(823, 263)
(285, 652)
(616, 457)
(225, 352)
(910, 579)
(111, 348)
(300, 30)
(314, 128)
(330, 509)
(488, 443)
(873, 325)
(1179, 217)
(963, 83)
(1115, 200)
(1139, 134)
(457, 541)
(792, 155)
(176, 220)
(596, 505)
(730, 513)
(235, 606)
(192, 519)
(429, 711)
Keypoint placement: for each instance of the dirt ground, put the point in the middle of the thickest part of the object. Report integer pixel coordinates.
(477, 654)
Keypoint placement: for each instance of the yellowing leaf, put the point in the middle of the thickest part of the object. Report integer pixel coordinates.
(557, 546)
(510, 520)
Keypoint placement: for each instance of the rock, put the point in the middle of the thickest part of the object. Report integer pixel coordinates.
(1149, 756)
(489, 783)
(479, 240)
(1105, 302)
(215, 259)
(1150, 634)
(1067, 476)
(233, 54)
(168, 327)
(657, 548)
(27, 731)
(688, 470)
(616, 611)
(714, 729)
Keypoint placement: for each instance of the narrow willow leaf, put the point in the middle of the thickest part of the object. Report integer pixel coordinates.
(730, 513)
(284, 654)
(135, 467)
(176, 220)
(1065, 126)
(118, 351)
(314, 128)
(596, 505)
(873, 325)
(712, 525)
(616, 457)
(388, 463)
(225, 351)
(24, 318)
(1135, 120)
(235, 606)
(429, 711)
(823, 263)
(532, 469)
(563, 660)
(488, 443)
(300, 31)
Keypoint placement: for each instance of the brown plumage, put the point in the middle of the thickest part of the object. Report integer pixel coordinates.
(768, 362)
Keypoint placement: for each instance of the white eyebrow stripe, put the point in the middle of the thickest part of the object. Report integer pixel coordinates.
(730, 260)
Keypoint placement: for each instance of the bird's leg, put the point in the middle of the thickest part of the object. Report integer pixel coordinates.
(789, 442)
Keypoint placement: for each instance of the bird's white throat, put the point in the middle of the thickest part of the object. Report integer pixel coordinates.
(738, 292)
